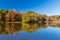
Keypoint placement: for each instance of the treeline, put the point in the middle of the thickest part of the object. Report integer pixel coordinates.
(10, 16)
(32, 17)
(54, 18)
(15, 16)
(25, 17)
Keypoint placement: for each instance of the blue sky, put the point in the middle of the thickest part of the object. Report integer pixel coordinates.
(48, 7)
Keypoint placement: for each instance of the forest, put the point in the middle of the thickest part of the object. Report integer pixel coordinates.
(15, 16)
(14, 21)
(11, 16)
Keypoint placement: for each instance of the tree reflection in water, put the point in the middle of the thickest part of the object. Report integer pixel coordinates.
(10, 28)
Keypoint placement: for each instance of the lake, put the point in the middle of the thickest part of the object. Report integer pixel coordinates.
(36, 31)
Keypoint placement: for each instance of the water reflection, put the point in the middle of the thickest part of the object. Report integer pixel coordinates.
(55, 24)
(33, 27)
(10, 28)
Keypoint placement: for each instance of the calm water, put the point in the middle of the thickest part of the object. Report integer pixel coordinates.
(18, 31)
